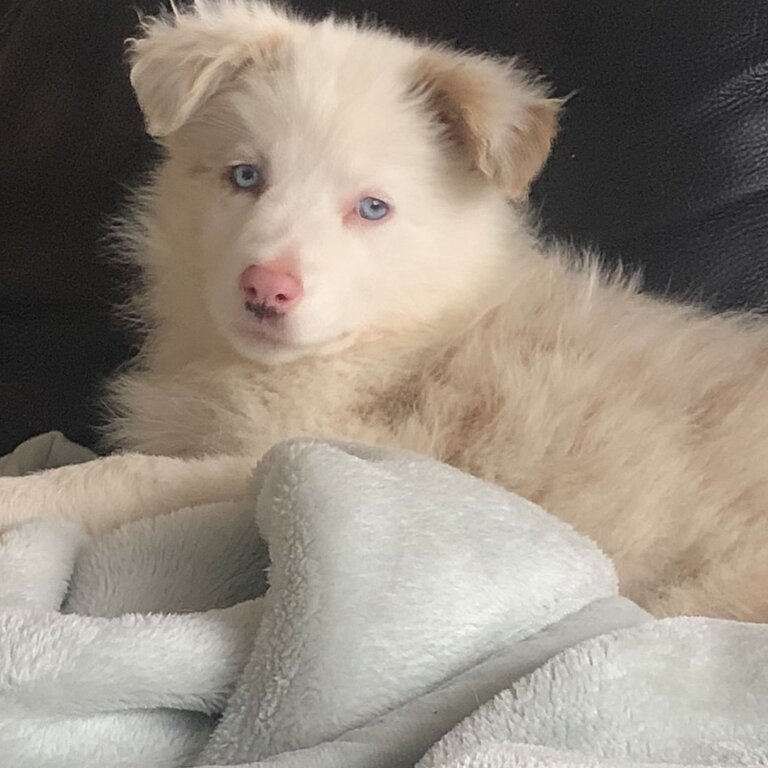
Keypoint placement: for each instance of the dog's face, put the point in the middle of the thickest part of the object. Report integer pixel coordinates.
(323, 180)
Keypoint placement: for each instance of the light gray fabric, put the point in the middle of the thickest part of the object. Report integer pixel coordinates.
(399, 738)
(688, 691)
(46, 451)
(196, 559)
(401, 572)
(359, 619)
(402, 595)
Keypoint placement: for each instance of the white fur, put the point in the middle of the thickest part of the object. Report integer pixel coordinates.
(447, 328)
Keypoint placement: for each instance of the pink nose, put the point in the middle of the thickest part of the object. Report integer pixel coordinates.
(273, 288)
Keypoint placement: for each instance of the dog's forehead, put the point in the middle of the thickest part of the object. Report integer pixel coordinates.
(326, 83)
(338, 106)
(322, 103)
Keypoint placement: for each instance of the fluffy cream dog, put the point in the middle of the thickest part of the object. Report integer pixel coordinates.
(332, 247)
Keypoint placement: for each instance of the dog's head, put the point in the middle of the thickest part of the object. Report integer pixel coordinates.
(322, 179)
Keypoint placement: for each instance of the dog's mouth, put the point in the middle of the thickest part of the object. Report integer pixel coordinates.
(261, 311)
(266, 325)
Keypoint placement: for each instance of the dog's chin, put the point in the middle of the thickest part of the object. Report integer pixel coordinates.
(272, 344)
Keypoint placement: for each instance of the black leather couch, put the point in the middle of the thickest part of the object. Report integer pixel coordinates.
(662, 162)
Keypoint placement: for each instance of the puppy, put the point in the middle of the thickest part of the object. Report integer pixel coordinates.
(335, 245)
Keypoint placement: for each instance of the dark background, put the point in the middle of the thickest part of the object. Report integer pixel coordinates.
(662, 162)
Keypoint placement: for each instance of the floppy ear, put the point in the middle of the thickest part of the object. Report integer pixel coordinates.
(499, 118)
(184, 58)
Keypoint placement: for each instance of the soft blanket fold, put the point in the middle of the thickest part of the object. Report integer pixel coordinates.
(402, 596)
(687, 691)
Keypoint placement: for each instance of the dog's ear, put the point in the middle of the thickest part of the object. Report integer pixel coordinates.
(184, 58)
(503, 121)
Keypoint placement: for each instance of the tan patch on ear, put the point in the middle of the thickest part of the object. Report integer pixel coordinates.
(531, 147)
(503, 124)
(457, 100)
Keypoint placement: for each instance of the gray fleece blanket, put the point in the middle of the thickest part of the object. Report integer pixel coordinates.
(360, 608)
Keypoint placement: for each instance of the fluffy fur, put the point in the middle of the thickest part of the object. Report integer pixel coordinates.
(447, 328)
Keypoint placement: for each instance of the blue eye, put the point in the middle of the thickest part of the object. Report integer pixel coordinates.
(372, 209)
(246, 176)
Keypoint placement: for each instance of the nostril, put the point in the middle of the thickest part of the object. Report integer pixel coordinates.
(282, 298)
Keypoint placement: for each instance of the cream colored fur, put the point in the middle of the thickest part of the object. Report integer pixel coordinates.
(447, 329)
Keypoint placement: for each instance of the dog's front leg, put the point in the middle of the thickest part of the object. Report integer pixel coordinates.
(107, 492)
